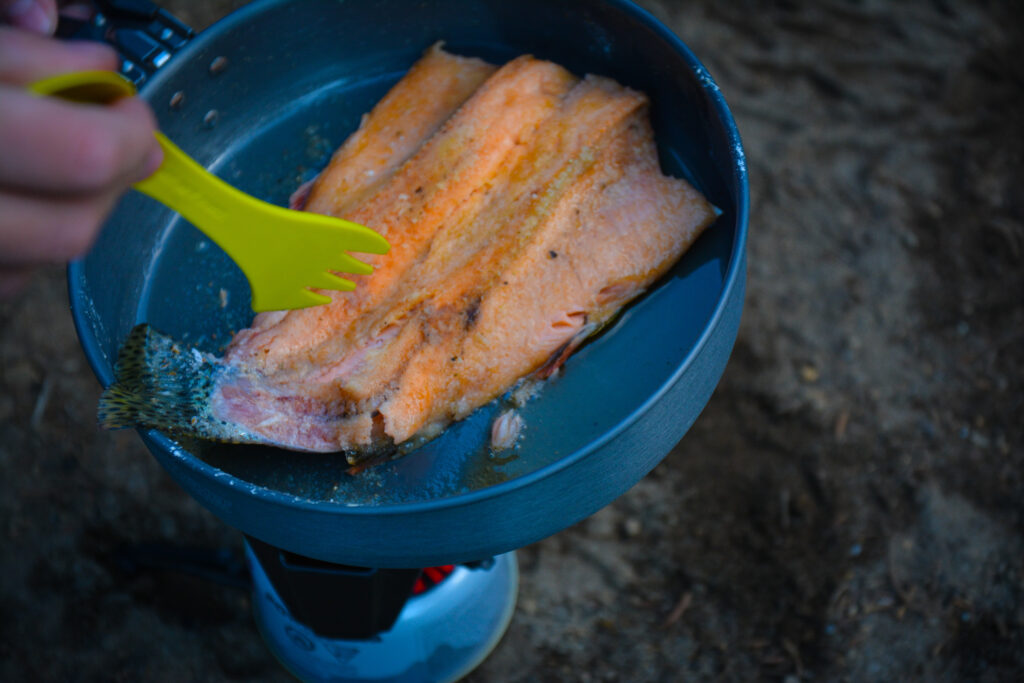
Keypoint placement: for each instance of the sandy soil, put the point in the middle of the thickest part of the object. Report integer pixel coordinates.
(850, 506)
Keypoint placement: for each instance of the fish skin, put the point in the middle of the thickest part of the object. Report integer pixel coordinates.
(163, 384)
(541, 210)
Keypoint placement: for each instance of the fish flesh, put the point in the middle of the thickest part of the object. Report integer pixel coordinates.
(525, 207)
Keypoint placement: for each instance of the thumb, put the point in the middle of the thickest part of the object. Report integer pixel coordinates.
(39, 16)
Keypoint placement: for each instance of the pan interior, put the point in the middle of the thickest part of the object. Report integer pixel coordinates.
(270, 130)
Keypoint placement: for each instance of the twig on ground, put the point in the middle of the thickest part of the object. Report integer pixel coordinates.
(677, 612)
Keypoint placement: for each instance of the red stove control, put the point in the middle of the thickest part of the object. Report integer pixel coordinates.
(430, 577)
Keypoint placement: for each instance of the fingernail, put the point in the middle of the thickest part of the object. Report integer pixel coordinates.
(30, 15)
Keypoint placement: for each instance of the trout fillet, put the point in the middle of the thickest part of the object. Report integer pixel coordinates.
(524, 206)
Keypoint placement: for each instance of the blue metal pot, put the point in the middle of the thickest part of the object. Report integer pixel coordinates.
(262, 98)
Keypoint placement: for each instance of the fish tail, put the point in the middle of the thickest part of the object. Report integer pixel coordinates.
(162, 384)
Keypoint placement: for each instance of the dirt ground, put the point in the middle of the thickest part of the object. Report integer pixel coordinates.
(850, 505)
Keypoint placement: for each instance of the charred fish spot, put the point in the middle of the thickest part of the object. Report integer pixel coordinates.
(552, 254)
(472, 312)
(419, 190)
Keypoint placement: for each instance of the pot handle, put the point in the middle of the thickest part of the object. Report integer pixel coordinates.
(144, 35)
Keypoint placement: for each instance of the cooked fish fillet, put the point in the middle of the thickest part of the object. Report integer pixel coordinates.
(409, 114)
(524, 207)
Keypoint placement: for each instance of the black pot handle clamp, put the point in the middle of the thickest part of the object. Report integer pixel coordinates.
(145, 36)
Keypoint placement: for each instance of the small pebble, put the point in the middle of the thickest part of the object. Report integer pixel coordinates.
(632, 527)
(809, 374)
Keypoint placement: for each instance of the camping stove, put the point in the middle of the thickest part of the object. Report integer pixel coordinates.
(625, 400)
(332, 622)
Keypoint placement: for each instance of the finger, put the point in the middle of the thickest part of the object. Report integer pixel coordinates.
(35, 230)
(80, 11)
(26, 58)
(13, 280)
(50, 145)
(39, 16)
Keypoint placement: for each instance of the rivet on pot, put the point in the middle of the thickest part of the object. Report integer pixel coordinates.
(210, 120)
(177, 99)
(218, 65)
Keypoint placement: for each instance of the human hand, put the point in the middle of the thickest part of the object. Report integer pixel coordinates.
(63, 165)
(39, 16)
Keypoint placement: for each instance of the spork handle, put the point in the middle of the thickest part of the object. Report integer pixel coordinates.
(180, 183)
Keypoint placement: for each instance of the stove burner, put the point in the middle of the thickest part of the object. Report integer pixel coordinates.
(448, 618)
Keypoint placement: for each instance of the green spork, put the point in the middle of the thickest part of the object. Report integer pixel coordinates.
(282, 252)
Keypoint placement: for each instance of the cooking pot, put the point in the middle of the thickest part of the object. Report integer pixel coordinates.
(262, 98)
